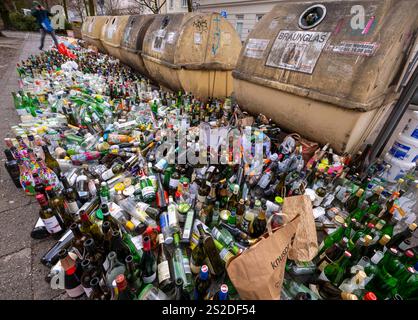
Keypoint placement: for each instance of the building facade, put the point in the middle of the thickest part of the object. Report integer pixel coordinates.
(242, 14)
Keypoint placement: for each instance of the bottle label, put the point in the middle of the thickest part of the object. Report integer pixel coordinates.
(72, 207)
(225, 255)
(403, 246)
(147, 191)
(173, 183)
(108, 174)
(201, 199)
(75, 292)
(143, 206)
(106, 264)
(186, 265)
(137, 241)
(150, 278)
(88, 291)
(52, 225)
(104, 200)
(323, 264)
(194, 268)
(163, 271)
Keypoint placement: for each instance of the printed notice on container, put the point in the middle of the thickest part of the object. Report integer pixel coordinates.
(297, 50)
(255, 48)
(354, 48)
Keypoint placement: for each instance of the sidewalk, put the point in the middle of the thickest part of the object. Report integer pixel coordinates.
(22, 276)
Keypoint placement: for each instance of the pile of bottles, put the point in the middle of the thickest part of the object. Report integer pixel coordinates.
(132, 224)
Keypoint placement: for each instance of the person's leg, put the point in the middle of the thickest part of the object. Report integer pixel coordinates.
(54, 37)
(42, 38)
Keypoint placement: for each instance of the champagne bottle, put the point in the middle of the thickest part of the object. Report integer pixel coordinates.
(72, 282)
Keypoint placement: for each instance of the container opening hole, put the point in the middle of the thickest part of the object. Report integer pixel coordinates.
(312, 16)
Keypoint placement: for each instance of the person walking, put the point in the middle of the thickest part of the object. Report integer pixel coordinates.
(42, 18)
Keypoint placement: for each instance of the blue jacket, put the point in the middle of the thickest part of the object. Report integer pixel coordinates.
(41, 15)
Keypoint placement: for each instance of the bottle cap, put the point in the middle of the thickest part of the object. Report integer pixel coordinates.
(412, 226)
(348, 296)
(121, 282)
(119, 186)
(347, 254)
(370, 225)
(130, 225)
(409, 253)
(204, 272)
(384, 240)
(278, 200)
(339, 219)
(369, 296)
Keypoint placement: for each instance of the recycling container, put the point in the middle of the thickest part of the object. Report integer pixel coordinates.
(112, 33)
(327, 71)
(132, 42)
(193, 52)
(91, 30)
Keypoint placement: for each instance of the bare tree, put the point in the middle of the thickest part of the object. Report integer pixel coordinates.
(78, 7)
(153, 5)
(112, 7)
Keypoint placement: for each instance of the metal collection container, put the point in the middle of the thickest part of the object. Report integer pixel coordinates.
(112, 33)
(327, 71)
(132, 41)
(92, 29)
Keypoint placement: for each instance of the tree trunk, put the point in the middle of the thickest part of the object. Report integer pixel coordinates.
(86, 7)
(64, 4)
(4, 15)
(91, 8)
(189, 5)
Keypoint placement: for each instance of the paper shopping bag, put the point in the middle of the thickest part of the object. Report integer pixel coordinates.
(257, 273)
(305, 246)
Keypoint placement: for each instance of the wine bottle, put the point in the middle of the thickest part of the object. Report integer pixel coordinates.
(211, 252)
(163, 268)
(148, 262)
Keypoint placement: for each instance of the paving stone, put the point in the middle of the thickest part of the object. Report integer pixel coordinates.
(41, 288)
(15, 276)
(16, 227)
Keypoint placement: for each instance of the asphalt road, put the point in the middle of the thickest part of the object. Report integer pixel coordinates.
(22, 276)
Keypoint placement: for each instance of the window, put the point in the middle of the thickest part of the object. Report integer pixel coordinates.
(259, 17)
(171, 4)
(184, 3)
(240, 16)
(239, 28)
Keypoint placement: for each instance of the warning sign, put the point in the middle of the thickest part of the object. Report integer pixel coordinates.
(297, 50)
(354, 48)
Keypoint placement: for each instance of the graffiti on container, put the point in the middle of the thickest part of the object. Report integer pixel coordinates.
(297, 50)
(201, 24)
(216, 36)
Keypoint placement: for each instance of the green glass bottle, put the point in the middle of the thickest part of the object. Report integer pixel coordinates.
(335, 271)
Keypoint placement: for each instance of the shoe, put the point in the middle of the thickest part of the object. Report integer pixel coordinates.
(41, 48)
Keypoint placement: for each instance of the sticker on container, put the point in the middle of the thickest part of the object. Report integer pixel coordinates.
(158, 44)
(226, 38)
(273, 24)
(415, 134)
(297, 50)
(197, 38)
(367, 49)
(255, 48)
(171, 37)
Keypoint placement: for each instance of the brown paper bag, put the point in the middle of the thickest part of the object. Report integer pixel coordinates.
(305, 245)
(258, 272)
